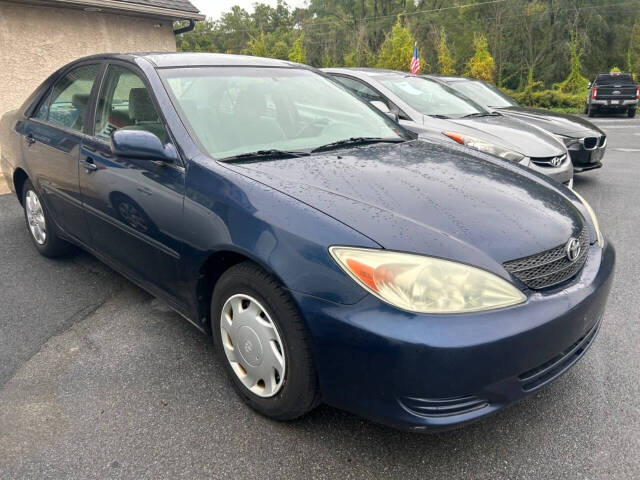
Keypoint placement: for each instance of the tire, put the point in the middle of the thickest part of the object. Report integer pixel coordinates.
(47, 242)
(631, 112)
(586, 108)
(297, 391)
(591, 111)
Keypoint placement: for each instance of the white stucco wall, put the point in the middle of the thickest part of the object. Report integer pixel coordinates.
(36, 41)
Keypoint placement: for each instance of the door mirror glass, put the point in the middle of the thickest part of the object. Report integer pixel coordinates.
(383, 107)
(142, 145)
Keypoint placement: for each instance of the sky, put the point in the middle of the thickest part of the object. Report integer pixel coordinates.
(214, 8)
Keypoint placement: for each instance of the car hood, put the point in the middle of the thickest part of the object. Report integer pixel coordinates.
(430, 199)
(513, 134)
(555, 122)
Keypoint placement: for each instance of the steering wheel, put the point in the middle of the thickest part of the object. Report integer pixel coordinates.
(316, 126)
(339, 129)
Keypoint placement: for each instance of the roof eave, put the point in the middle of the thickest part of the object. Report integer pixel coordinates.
(114, 6)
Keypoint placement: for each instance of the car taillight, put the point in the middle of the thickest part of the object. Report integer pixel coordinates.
(638, 93)
(595, 92)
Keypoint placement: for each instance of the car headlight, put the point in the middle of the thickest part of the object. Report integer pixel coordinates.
(594, 220)
(425, 284)
(567, 141)
(484, 146)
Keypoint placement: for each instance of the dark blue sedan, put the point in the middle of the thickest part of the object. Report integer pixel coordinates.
(330, 255)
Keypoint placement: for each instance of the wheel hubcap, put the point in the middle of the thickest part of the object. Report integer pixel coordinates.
(252, 345)
(35, 217)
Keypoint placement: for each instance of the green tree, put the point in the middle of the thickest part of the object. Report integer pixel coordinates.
(575, 82)
(258, 46)
(280, 50)
(297, 53)
(481, 65)
(327, 61)
(446, 63)
(633, 52)
(397, 49)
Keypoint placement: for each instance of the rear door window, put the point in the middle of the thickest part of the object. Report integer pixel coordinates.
(69, 99)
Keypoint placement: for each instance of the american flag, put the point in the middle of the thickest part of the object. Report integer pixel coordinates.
(415, 61)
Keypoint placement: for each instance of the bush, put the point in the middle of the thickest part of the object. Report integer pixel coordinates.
(550, 99)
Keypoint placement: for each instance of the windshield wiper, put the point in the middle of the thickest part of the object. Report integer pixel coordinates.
(443, 117)
(354, 141)
(272, 153)
(481, 114)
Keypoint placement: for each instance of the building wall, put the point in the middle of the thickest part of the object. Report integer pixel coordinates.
(36, 41)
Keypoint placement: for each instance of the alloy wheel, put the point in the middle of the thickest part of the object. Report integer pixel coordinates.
(35, 217)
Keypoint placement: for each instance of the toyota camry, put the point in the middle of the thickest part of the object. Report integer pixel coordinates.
(331, 255)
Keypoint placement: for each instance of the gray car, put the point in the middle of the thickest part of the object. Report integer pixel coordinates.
(584, 140)
(436, 111)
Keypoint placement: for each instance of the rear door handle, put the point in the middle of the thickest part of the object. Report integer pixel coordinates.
(88, 164)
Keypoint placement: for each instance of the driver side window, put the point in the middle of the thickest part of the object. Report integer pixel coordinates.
(125, 103)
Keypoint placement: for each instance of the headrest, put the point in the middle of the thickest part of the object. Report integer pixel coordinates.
(141, 107)
(80, 100)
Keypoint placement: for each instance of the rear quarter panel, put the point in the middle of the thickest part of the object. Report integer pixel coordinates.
(10, 146)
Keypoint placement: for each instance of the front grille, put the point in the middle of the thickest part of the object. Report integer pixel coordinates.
(548, 371)
(549, 161)
(550, 267)
(590, 142)
(603, 141)
(442, 407)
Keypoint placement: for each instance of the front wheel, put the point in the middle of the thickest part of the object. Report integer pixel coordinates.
(263, 343)
(631, 112)
(41, 228)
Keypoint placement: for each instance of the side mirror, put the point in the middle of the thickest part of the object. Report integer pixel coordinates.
(589, 85)
(384, 108)
(141, 145)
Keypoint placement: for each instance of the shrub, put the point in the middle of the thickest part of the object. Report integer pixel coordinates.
(550, 99)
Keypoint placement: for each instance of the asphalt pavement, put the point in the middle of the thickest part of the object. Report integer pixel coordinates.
(99, 380)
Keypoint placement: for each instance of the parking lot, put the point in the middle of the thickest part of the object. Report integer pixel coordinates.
(99, 380)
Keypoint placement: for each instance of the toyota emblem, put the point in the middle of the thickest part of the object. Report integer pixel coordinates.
(572, 249)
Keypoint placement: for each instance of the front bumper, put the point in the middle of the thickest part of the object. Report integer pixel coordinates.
(426, 372)
(561, 174)
(583, 158)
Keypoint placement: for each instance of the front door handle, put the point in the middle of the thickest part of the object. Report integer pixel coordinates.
(30, 139)
(88, 164)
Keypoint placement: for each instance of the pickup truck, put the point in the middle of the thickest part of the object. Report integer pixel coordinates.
(615, 91)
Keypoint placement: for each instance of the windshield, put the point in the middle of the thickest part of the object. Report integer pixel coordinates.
(484, 93)
(234, 111)
(430, 97)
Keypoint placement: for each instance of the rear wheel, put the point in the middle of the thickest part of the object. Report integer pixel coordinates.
(631, 112)
(591, 111)
(41, 229)
(262, 341)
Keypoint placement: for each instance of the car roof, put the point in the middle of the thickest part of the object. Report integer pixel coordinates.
(365, 70)
(450, 78)
(184, 59)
